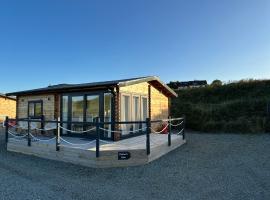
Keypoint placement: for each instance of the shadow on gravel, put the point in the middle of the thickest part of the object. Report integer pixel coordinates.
(209, 166)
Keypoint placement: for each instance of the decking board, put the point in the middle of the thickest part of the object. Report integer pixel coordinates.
(86, 155)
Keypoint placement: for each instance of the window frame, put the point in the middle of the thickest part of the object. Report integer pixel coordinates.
(35, 102)
(147, 107)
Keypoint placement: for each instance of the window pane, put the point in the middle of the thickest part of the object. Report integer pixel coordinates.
(77, 112)
(136, 112)
(65, 112)
(31, 109)
(65, 108)
(144, 108)
(125, 113)
(77, 108)
(92, 110)
(107, 107)
(38, 110)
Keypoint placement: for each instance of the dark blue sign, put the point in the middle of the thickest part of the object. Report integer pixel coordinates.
(123, 155)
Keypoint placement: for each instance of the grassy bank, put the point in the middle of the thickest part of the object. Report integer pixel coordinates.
(235, 107)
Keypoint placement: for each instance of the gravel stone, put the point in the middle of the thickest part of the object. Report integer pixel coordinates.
(209, 166)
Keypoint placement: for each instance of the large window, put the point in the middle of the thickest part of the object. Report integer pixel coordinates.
(77, 105)
(86, 107)
(144, 108)
(133, 108)
(136, 111)
(125, 113)
(35, 109)
(92, 107)
(65, 113)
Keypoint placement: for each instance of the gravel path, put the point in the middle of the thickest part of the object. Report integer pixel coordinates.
(209, 166)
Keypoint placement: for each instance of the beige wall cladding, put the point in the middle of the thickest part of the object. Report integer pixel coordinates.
(159, 102)
(48, 105)
(7, 107)
(159, 105)
(140, 88)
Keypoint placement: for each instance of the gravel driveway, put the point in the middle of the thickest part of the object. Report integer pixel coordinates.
(209, 166)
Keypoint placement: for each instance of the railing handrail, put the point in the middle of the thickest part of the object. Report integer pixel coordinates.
(76, 122)
(98, 123)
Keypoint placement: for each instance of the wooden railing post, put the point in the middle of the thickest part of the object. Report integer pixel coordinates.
(6, 129)
(148, 130)
(28, 134)
(42, 124)
(170, 130)
(97, 136)
(58, 135)
(184, 126)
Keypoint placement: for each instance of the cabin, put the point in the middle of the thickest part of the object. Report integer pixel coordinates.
(7, 107)
(133, 99)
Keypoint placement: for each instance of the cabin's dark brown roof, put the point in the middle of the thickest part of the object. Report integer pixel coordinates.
(153, 80)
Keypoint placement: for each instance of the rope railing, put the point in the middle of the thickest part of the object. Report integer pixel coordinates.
(72, 131)
(41, 140)
(180, 132)
(172, 119)
(157, 132)
(78, 144)
(16, 135)
(97, 126)
(176, 124)
(120, 131)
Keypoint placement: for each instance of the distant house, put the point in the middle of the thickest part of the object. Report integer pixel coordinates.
(132, 99)
(176, 85)
(7, 107)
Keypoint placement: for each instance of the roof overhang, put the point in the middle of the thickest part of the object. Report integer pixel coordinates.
(108, 85)
(8, 97)
(155, 82)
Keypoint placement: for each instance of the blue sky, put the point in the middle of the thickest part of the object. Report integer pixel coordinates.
(66, 41)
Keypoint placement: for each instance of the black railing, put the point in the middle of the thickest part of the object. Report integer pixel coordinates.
(169, 126)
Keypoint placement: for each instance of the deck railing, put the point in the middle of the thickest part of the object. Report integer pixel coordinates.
(169, 126)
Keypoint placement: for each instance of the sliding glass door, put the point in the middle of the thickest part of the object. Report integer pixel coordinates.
(92, 111)
(77, 112)
(64, 113)
(85, 108)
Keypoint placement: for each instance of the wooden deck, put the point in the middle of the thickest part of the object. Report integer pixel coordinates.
(85, 155)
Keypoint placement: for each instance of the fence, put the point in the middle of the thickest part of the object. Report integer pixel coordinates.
(170, 124)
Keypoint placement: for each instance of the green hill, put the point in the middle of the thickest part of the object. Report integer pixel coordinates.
(242, 107)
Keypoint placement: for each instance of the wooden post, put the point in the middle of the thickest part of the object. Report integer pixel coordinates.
(170, 130)
(148, 130)
(58, 135)
(97, 136)
(28, 134)
(184, 126)
(6, 128)
(42, 124)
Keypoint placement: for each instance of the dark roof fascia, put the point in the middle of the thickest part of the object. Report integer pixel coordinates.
(60, 90)
(7, 97)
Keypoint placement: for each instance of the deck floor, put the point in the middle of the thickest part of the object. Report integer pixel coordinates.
(83, 151)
